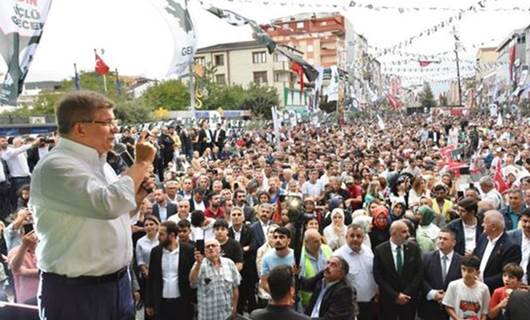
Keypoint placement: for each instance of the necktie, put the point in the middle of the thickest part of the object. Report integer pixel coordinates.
(444, 267)
(399, 259)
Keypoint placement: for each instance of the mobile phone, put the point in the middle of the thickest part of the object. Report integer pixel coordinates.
(28, 227)
(460, 194)
(199, 245)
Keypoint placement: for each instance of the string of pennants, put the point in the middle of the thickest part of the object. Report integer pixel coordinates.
(346, 4)
(413, 60)
(481, 67)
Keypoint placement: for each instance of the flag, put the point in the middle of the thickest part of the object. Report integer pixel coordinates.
(310, 72)
(511, 61)
(229, 16)
(500, 121)
(21, 27)
(380, 123)
(77, 81)
(176, 15)
(297, 68)
(500, 184)
(393, 101)
(101, 66)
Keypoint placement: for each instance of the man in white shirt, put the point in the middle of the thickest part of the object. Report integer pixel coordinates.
(487, 185)
(360, 259)
(82, 214)
(495, 249)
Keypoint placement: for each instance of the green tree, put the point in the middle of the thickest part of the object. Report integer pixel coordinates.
(426, 97)
(171, 95)
(133, 112)
(260, 99)
(226, 97)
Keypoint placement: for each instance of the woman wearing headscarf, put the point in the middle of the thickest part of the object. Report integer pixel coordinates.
(427, 231)
(397, 211)
(380, 226)
(335, 233)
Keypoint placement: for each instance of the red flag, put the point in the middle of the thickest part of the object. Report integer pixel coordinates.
(424, 63)
(500, 184)
(297, 68)
(511, 61)
(101, 66)
(393, 101)
(277, 215)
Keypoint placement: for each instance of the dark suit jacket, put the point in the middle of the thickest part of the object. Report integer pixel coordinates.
(386, 276)
(504, 252)
(171, 209)
(249, 257)
(272, 312)
(432, 280)
(518, 307)
(337, 303)
(458, 228)
(154, 282)
(219, 136)
(517, 237)
(192, 204)
(259, 237)
(33, 157)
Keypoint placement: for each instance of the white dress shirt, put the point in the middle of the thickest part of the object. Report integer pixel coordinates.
(43, 151)
(525, 250)
(170, 273)
(2, 174)
(143, 249)
(361, 271)
(81, 212)
(470, 236)
(486, 255)
(17, 161)
(393, 248)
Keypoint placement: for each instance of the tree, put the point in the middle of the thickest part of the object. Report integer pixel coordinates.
(170, 95)
(260, 99)
(133, 112)
(426, 97)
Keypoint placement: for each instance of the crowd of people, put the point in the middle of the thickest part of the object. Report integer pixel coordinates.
(427, 217)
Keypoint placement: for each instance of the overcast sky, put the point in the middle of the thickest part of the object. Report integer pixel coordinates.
(137, 42)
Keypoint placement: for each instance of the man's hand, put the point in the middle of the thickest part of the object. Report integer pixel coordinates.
(22, 217)
(402, 299)
(198, 256)
(504, 302)
(150, 311)
(29, 239)
(439, 296)
(145, 151)
(136, 296)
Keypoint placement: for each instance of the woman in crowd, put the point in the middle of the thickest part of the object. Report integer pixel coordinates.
(427, 231)
(417, 191)
(335, 233)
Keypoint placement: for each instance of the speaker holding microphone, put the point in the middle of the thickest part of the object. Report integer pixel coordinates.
(120, 149)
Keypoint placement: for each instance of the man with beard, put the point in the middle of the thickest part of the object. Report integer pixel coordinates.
(240, 201)
(282, 255)
(215, 210)
(168, 292)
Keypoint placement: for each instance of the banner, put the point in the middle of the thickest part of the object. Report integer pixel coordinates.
(178, 19)
(21, 27)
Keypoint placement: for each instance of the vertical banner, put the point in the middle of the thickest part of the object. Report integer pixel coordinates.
(276, 123)
(178, 19)
(21, 26)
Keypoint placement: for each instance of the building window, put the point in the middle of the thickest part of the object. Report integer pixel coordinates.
(219, 60)
(259, 57)
(300, 25)
(200, 60)
(277, 77)
(324, 23)
(220, 79)
(260, 77)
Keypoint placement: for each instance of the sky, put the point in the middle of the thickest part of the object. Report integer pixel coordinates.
(137, 41)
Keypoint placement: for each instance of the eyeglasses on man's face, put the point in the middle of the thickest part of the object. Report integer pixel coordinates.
(106, 123)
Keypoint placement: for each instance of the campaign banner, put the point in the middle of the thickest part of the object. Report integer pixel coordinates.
(178, 19)
(21, 26)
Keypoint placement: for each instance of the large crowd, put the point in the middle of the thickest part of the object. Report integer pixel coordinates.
(428, 215)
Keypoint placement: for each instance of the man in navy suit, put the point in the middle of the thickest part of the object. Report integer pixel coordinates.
(439, 268)
(163, 208)
(467, 228)
(521, 237)
(259, 228)
(398, 271)
(496, 249)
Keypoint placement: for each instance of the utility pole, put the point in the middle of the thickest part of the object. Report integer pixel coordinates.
(458, 68)
(191, 84)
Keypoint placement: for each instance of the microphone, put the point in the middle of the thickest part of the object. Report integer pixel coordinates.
(120, 150)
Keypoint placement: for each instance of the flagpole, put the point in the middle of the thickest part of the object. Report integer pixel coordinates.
(191, 84)
(118, 85)
(76, 78)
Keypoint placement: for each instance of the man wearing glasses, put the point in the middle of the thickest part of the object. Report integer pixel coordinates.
(82, 214)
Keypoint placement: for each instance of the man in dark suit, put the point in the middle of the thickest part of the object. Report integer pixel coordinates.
(518, 307)
(168, 291)
(465, 225)
(521, 237)
(240, 196)
(166, 143)
(398, 271)
(496, 249)
(259, 228)
(205, 137)
(37, 152)
(439, 268)
(333, 294)
(240, 232)
(163, 208)
(219, 137)
(281, 286)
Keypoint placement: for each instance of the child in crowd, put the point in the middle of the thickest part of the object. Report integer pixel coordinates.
(512, 275)
(467, 298)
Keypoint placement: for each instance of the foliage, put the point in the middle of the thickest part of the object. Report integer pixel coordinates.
(170, 95)
(426, 97)
(133, 111)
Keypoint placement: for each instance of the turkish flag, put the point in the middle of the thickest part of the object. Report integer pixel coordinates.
(101, 66)
(393, 101)
(297, 68)
(500, 184)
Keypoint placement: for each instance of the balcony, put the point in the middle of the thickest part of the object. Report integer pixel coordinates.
(281, 66)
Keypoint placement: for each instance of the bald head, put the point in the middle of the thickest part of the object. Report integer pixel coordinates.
(493, 223)
(312, 241)
(399, 232)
